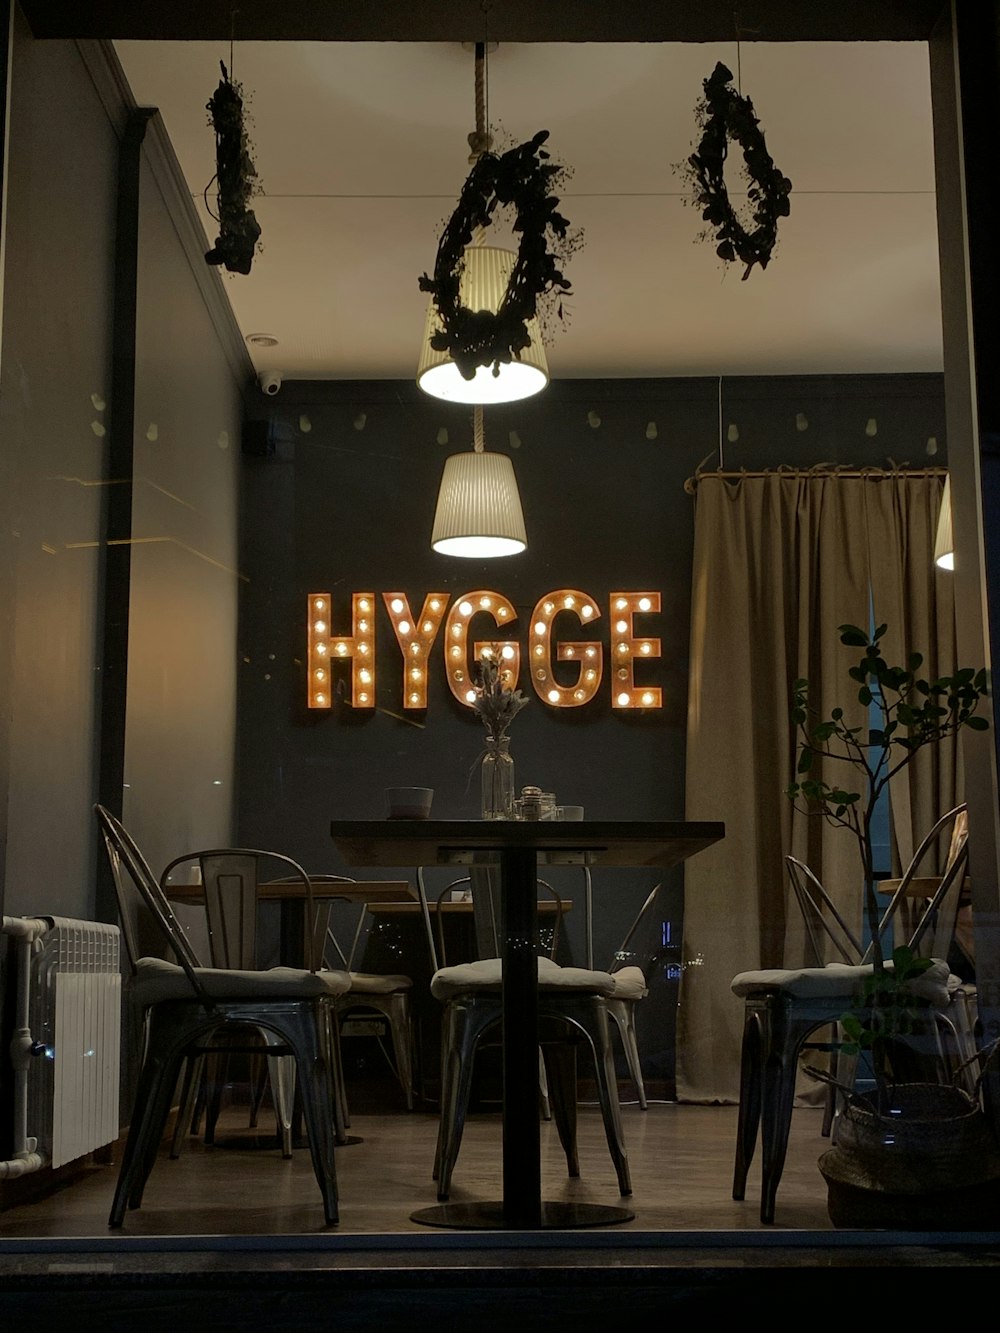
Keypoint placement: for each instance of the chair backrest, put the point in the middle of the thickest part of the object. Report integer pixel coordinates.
(231, 877)
(425, 913)
(824, 923)
(623, 955)
(136, 889)
(926, 921)
(484, 891)
(324, 936)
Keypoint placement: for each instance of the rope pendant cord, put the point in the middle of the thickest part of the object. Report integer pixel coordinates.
(478, 429)
(522, 178)
(480, 140)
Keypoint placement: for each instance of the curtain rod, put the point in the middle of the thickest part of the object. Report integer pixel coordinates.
(817, 470)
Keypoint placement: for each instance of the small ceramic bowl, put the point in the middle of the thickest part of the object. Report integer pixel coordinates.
(408, 802)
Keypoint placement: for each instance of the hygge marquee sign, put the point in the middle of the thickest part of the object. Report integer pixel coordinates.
(416, 635)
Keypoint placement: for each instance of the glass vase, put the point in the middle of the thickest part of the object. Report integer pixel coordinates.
(497, 780)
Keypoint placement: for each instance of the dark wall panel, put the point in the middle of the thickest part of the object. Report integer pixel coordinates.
(54, 398)
(181, 712)
(341, 500)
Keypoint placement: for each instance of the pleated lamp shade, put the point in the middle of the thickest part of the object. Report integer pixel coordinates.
(485, 275)
(478, 510)
(944, 544)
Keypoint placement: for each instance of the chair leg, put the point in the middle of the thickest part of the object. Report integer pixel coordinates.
(464, 1024)
(779, 1062)
(259, 1080)
(341, 1111)
(544, 1100)
(217, 1067)
(311, 1032)
(607, 1091)
(157, 1082)
(749, 1113)
(624, 1015)
(845, 1068)
(589, 1014)
(560, 1063)
(191, 1087)
(401, 1029)
(281, 1072)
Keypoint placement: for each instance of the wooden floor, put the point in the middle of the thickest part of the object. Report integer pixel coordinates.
(681, 1159)
(233, 1236)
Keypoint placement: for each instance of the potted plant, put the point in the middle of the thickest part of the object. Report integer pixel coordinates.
(907, 1152)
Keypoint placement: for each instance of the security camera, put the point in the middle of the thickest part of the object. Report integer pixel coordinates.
(270, 382)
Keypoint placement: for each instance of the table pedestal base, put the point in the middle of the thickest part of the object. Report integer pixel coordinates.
(557, 1216)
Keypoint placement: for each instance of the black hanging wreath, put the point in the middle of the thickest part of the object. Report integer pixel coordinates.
(239, 230)
(725, 115)
(522, 177)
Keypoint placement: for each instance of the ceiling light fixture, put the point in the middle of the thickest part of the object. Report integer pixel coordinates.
(484, 280)
(485, 274)
(944, 543)
(478, 513)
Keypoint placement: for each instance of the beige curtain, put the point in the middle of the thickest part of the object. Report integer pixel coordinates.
(780, 561)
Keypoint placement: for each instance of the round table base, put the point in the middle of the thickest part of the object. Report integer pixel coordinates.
(556, 1216)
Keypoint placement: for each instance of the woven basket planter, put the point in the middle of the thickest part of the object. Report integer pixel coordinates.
(931, 1164)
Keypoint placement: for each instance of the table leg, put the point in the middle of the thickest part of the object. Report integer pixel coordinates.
(292, 932)
(522, 1171)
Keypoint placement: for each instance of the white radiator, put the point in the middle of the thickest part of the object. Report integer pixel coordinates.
(75, 1011)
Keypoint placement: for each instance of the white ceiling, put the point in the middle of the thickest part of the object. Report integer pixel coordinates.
(361, 151)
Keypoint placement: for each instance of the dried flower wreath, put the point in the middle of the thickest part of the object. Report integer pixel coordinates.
(522, 177)
(724, 115)
(239, 230)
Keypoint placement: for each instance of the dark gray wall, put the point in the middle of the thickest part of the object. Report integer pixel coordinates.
(55, 407)
(181, 707)
(54, 392)
(57, 396)
(345, 503)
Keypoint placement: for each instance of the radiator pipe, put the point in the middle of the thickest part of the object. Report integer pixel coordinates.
(26, 931)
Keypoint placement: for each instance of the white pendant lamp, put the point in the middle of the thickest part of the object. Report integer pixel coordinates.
(483, 284)
(944, 544)
(478, 513)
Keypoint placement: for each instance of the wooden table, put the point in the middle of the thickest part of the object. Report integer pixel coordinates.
(546, 907)
(922, 886)
(519, 847)
(291, 896)
(351, 891)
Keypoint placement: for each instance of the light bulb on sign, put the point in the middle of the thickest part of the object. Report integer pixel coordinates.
(345, 648)
(629, 647)
(552, 616)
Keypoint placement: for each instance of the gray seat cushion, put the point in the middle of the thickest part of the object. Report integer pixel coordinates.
(377, 983)
(630, 984)
(486, 975)
(838, 979)
(157, 980)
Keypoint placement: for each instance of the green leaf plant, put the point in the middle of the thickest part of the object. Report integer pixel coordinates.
(910, 713)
